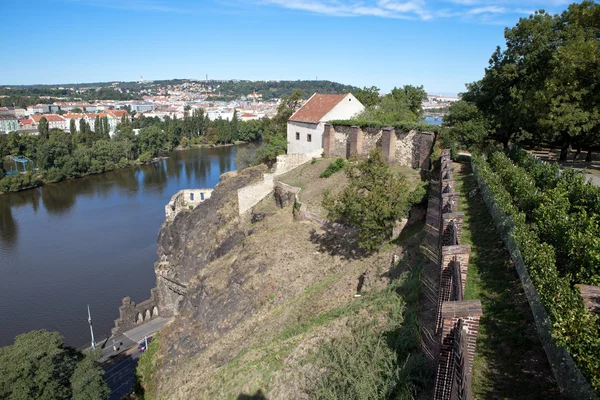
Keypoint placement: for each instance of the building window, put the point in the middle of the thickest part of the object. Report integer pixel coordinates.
(192, 196)
(297, 135)
(309, 138)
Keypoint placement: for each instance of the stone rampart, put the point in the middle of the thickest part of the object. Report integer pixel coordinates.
(132, 314)
(250, 195)
(412, 149)
(186, 199)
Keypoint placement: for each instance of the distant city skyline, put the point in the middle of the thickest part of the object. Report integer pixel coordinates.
(439, 44)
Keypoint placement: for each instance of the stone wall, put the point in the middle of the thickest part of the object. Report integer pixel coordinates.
(186, 199)
(457, 320)
(131, 314)
(412, 149)
(250, 195)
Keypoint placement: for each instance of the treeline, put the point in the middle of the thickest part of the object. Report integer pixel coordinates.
(542, 89)
(25, 97)
(196, 128)
(278, 89)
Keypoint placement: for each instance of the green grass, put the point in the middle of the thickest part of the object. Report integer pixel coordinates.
(509, 359)
(146, 370)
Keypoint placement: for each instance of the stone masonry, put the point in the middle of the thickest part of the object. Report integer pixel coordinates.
(412, 149)
(131, 314)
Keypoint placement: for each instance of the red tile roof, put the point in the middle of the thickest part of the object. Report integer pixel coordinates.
(49, 117)
(317, 107)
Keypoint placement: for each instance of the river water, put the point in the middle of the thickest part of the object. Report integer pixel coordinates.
(90, 241)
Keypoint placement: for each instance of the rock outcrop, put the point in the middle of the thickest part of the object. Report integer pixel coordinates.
(194, 239)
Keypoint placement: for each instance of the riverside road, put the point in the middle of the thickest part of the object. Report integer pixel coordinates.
(119, 366)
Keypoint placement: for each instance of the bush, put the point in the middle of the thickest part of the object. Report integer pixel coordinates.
(14, 183)
(54, 175)
(145, 157)
(333, 167)
(373, 201)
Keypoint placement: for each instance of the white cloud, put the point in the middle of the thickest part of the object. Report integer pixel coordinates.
(487, 10)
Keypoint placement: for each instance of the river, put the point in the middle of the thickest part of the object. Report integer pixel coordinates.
(90, 241)
(433, 121)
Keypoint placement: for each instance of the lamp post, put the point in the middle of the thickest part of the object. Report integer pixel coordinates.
(91, 328)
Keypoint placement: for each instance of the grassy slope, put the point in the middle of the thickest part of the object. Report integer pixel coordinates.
(277, 350)
(509, 360)
(313, 187)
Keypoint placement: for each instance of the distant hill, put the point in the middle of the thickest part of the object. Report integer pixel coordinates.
(223, 89)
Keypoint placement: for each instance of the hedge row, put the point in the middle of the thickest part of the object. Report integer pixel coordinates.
(572, 325)
(399, 126)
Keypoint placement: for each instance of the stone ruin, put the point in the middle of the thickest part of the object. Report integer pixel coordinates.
(186, 199)
(132, 315)
(411, 149)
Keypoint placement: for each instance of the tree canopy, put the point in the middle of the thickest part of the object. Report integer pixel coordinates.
(544, 87)
(39, 366)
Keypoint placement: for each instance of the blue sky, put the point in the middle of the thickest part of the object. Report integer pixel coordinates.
(440, 44)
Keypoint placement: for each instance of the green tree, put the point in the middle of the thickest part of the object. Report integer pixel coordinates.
(43, 127)
(72, 126)
(467, 123)
(77, 110)
(275, 130)
(39, 366)
(369, 97)
(401, 105)
(235, 122)
(373, 201)
(87, 381)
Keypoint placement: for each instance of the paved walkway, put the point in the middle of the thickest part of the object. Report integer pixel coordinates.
(130, 338)
(594, 178)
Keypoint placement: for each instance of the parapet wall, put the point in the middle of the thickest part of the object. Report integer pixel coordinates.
(131, 314)
(412, 149)
(457, 322)
(250, 195)
(186, 199)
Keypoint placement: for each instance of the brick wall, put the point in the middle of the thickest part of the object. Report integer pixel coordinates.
(457, 320)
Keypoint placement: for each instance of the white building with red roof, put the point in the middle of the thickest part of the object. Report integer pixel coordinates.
(305, 128)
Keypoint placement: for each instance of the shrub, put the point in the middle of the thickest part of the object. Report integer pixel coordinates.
(333, 167)
(54, 175)
(373, 201)
(145, 157)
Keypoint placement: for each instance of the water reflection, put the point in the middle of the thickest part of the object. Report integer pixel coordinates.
(90, 240)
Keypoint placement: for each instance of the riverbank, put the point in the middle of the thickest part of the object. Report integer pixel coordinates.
(90, 241)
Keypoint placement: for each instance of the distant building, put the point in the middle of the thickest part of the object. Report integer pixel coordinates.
(11, 110)
(305, 127)
(54, 121)
(26, 123)
(8, 123)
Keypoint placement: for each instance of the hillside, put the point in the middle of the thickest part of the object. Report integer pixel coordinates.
(270, 314)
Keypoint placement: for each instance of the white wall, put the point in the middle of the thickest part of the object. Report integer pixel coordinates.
(345, 109)
(303, 145)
